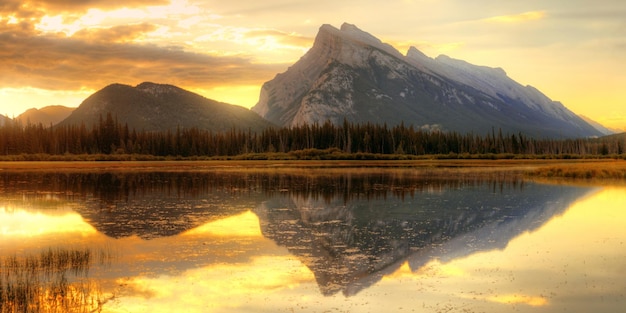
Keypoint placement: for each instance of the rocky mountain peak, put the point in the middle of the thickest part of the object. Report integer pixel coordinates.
(350, 74)
(349, 37)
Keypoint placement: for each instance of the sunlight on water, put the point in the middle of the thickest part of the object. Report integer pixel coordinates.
(575, 258)
(21, 223)
(225, 286)
(242, 225)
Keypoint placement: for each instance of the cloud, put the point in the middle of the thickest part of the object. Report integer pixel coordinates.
(121, 33)
(26, 8)
(290, 39)
(517, 18)
(58, 62)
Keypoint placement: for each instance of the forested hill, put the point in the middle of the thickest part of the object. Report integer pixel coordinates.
(161, 107)
(345, 140)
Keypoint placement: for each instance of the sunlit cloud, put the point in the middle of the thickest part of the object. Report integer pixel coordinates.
(122, 33)
(260, 39)
(63, 63)
(25, 7)
(517, 18)
(279, 37)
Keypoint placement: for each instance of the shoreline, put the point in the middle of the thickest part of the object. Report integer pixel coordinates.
(532, 168)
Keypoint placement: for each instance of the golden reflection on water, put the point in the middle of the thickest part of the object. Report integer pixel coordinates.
(242, 225)
(216, 287)
(221, 286)
(22, 223)
(572, 263)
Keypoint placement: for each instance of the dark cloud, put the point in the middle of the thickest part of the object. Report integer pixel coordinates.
(51, 62)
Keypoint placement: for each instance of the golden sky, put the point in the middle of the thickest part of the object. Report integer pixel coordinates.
(58, 52)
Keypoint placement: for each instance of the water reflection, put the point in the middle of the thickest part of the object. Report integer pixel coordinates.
(351, 245)
(227, 240)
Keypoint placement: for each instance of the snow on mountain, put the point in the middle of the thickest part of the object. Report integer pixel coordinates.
(492, 81)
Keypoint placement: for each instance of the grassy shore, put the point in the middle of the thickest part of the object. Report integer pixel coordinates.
(613, 169)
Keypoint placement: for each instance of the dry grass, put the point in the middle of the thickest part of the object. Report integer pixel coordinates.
(611, 170)
(562, 169)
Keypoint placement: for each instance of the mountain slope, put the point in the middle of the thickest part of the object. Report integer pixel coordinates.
(349, 74)
(4, 120)
(49, 115)
(158, 107)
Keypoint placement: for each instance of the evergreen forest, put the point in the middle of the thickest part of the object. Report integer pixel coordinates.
(325, 141)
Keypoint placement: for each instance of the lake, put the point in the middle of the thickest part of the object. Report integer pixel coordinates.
(288, 239)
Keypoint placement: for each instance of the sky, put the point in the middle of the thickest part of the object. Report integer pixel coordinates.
(58, 52)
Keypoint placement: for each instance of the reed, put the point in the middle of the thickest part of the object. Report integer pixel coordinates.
(55, 280)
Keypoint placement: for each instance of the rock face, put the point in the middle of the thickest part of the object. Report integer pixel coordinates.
(49, 115)
(159, 107)
(349, 74)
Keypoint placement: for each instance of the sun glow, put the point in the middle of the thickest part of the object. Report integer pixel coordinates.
(37, 97)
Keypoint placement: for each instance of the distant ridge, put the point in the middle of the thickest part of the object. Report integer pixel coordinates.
(160, 107)
(4, 119)
(350, 74)
(49, 115)
(598, 126)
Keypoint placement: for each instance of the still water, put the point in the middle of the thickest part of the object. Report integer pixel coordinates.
(309, 240)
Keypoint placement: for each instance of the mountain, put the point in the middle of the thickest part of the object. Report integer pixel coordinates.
(351, 243)
(4, 119)
(49, 115)
(350, 74)
(598, 126)
(158, 107)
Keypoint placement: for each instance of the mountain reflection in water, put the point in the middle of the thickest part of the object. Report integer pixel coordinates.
(349, 227)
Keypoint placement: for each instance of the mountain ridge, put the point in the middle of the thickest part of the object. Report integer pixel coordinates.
(350, 74)
(161, 107)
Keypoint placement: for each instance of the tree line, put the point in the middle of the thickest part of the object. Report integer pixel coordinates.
(108, 136)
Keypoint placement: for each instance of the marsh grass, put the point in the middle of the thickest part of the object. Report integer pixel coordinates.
(615, 170)
(55, 280)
